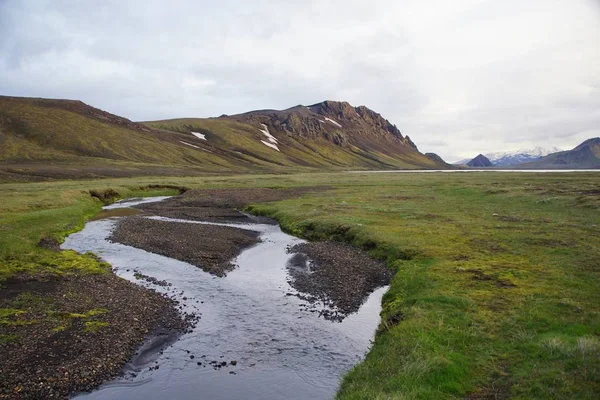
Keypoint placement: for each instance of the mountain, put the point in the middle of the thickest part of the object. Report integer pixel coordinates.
(520, 156)
(64, 138)
(505, 158)
(586, 155)
(480, 161)
(324, 135)
(437, 159)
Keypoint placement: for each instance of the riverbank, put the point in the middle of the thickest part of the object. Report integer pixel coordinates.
(335, 274)
(67, 323)
(72, 333)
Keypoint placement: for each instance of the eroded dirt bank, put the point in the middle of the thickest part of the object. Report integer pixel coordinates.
(72, 333)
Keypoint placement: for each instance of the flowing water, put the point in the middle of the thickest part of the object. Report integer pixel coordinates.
(280, 349)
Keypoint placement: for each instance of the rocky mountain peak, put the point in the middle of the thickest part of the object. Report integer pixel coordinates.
(339, 109)
(335, 121)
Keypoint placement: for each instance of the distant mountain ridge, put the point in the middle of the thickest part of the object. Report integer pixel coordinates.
(520, 156)
(586, 155)
(515, 157)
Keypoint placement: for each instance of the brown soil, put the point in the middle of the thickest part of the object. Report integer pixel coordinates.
(219, 205)
(479, 275)
(75, 332)
(206, 246)
(117, 212)
(36, 172)
(337, 274)
(49, 244)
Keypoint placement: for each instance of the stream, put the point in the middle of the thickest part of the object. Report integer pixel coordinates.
(273, 345)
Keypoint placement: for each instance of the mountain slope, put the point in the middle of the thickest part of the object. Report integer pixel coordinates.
(329, 134)
(46, 133)
(480, 161)
(586, 155)
(63, 130)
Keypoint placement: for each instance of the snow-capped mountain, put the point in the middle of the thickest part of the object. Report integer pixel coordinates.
(520, 156)
(516, 157)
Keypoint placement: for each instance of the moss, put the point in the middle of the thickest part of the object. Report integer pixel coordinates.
(9, 313)
(95, 326)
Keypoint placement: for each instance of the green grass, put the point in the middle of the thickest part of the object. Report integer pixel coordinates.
(31, 212)
(497, 284)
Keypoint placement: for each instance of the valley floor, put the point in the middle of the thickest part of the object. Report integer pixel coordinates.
(496, 287)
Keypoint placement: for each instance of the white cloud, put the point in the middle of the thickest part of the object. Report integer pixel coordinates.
(459, 77)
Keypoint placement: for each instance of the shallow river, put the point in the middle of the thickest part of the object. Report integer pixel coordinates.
(279, 348)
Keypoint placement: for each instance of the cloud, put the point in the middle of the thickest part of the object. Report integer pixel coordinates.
(459, 77)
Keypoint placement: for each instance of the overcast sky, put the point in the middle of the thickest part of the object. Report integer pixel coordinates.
(459, 77)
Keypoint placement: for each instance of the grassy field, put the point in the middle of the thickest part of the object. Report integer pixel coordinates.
(497, 290)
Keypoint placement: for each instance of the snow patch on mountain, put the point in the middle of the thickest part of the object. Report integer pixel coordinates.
(272, 140)
(334, 122)
(271, 145)
(199, 135)
(265, 131)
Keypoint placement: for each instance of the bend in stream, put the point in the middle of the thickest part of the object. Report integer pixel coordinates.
(279, 349)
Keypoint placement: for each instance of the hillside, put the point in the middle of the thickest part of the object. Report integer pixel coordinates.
(586, 155)
(63, 138)
(324, 135)
(43, 138)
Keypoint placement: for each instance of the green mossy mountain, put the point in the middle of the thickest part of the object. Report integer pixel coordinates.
(37, 135)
